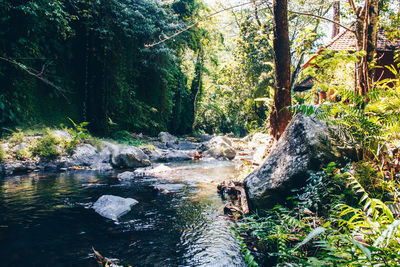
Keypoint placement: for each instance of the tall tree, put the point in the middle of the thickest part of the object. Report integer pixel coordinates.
(280, 115)
(366, 33)
(336, 17)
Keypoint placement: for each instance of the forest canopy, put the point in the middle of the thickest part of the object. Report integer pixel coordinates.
(145, 66)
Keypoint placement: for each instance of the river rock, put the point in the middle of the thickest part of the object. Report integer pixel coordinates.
(127, 175)
(175, 155)
(61, 134)
(101, 166)
(113, 207)
(108, 147)
(204, 137)
(102, 161)
(55, 164)
(220, 147)
(158, 171)
(186, 145)
(130, 157)
(155, 155)
(20, 147)
(306, 145)
(165, 137)
(10, 167)
(84, 155)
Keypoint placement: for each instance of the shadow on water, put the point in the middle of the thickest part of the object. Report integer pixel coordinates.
(46, 219)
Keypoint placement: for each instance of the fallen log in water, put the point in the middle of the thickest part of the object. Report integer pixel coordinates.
(235, 193)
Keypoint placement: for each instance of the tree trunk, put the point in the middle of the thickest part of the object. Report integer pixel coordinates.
(336, 17)
(366, 32)
(280, 115)
(372, 32)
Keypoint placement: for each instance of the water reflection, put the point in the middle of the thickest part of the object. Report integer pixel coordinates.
(47, 220)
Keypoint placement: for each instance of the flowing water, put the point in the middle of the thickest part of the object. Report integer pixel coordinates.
(46, 219)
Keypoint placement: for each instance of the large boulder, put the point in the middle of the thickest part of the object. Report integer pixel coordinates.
(113, 207)
(175, 155)
(102, 161)
(84, 155)
(130, 157)
(165, 137)
(220, 147)
(306, 145)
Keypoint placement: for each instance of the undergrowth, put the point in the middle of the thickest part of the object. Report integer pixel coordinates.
(327, 227)
(342, 217)
(45, 143)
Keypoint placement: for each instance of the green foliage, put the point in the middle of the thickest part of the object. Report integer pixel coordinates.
(22, 154)
(371, 120)
(17, 137)
(2, 153)
(125, 137)
(327, 227)
(95, 66)
(228, 104)
(80, 131)
(47, 146)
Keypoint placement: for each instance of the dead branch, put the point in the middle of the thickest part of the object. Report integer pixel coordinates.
(36, 73)
(236, 194)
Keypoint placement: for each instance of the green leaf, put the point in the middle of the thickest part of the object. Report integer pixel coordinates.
(315, 232)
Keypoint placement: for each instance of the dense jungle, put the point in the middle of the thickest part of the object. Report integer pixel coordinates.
(200, 132)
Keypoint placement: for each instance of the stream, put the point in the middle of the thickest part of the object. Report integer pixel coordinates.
(46, 219)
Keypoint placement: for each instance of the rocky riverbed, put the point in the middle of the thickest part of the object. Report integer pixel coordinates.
(108, 155)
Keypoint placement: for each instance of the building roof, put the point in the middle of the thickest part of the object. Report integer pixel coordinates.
(343, 41)
(304, 85)
(347, 41)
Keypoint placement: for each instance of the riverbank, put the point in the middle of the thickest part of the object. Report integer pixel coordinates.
(62, 150)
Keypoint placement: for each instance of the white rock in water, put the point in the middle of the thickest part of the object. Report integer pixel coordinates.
(112, 207)
(160, 169)
(126, 175)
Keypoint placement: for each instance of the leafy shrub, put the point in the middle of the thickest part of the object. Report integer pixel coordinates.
(344, 233)
(79, 131)
(23, 154)
(16, 138)
(47, 147)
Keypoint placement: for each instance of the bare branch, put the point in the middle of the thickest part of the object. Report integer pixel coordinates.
(239, 5)
(196, 23)
(323, 18)
(35, 73)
